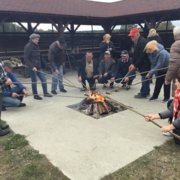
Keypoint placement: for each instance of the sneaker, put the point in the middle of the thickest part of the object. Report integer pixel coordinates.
(128, 88)
(63, 90)
(3, 109)
(153, 99)
(22, 105)
(83, 89)
(37, 97)
(139, 96)
(3, 126)
(124, 85)
(167, 133)
(165, 100)
(47, 95)
(4, 132)
(53, 92)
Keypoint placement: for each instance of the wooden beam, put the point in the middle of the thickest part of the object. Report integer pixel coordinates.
(141, 26)
(53, 23)
(3, 20)
(146, 22)
(66, 25)
(77, 27)
(113, 28)
(35, 27)
(69, 29)
(160, 21)
(22, 26)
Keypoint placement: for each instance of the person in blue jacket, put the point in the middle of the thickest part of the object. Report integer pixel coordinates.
(159, 59)
(122, 69)
(13, 97)
(106, 45)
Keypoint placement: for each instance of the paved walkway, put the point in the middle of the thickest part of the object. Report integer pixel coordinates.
(84, 148)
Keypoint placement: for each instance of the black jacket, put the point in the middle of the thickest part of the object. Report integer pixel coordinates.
(82, 68)
(32, 55)
(123, 68)
(104, 47)
(56, 56)
(111, 68)
(140, 57)
(156, 38)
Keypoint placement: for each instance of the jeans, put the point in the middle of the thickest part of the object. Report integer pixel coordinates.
(91, 81)
(41, 76)
(58, 79)
(145, 89)
(120, 76)
(104, 80)
(8, 101)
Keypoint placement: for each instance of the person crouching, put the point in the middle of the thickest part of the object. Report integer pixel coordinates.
(106, 69)
(13, 97)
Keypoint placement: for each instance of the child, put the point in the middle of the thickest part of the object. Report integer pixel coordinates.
(173, 111)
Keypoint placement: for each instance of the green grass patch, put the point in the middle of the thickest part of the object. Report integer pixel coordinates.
(160, 164)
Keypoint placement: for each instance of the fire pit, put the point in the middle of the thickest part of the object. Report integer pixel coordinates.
(96, 105)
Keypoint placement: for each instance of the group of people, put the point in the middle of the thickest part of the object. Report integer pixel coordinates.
(149, 58)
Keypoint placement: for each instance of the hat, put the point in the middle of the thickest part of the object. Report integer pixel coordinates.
(8, 63)
(62, 41)
(133, 31)
(124, 53)
(34, 36)
(107, 52)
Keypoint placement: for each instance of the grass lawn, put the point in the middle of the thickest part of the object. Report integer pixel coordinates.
(162, 163)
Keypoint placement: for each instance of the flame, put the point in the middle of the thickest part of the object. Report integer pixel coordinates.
(97, 98)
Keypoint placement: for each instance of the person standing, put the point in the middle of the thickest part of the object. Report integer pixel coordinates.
(159, 59)
(106, 45)
(56, 57)
(174, 64)
(140, 61)
(33, 62)
(4, 82)
(153, 35)
(88, 70)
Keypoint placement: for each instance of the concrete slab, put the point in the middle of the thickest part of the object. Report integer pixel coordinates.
(84, 148)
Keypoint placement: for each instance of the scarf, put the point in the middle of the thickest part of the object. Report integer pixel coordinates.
(176, 110)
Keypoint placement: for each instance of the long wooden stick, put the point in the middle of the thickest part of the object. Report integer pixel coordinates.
(175, 135)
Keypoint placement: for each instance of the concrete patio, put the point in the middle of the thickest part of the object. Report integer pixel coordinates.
(84, 148)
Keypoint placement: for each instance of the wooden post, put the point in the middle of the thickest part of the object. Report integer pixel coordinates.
(30, 29)
(72, 31)
(3, 20)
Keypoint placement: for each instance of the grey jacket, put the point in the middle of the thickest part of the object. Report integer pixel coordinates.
(168, 114)
(56, 56)
(111, 68)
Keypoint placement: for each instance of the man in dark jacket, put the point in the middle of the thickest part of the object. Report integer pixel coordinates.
(122, 69)
(56, 57)
(13, 97)
(4, 82)
(33, 62)
(106, 69)
(140, 61)
(88, 70)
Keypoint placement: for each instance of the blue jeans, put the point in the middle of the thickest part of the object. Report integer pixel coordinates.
(145, 89)
(58, 79)
(120, 76)
(105, 79)
(10, 101)
(41, 76)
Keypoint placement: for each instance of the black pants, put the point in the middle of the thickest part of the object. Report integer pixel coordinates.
(1, 96)
(158, 86)
(91, 81)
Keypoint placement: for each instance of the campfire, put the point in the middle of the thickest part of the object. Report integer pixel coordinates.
(96, 103)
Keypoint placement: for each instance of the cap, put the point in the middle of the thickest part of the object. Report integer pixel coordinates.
(34, 36)
(133, 31)
(62, 41)
(107, 52)
(8, 63)
(124, 53)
